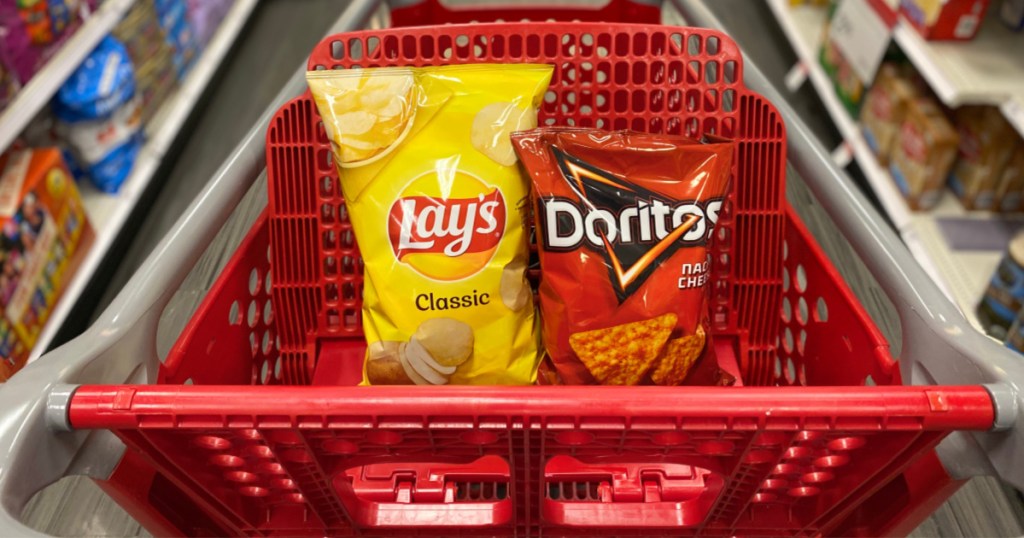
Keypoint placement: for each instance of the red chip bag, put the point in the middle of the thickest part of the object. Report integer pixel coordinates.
(623, 224)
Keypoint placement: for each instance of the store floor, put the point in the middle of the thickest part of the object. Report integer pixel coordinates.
(277, 40)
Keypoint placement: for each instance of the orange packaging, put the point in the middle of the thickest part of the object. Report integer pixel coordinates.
(45, 231)
(623, 223)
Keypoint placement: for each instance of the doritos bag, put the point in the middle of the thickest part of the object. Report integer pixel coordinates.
(438, 206)
(623, 225)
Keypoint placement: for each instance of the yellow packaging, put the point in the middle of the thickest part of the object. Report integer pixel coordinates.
(439, 210)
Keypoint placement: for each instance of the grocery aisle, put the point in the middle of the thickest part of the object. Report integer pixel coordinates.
(275, 43)
(279, 37)
(984, 506)
(278, 41)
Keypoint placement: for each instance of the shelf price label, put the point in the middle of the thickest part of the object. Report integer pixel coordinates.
(862, 35)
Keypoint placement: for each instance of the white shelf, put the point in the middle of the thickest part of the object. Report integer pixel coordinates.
(108, 213)
(37, 93)
(988, 70)
(962, 275)
(803, 26)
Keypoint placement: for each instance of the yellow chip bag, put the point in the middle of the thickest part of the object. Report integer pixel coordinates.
(439, 211)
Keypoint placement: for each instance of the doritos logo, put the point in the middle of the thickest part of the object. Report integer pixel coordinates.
(633, 228)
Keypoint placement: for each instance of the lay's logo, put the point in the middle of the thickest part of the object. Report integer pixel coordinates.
(448, 235)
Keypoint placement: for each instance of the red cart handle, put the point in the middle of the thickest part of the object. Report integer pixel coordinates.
(428, 494)
(628, 495)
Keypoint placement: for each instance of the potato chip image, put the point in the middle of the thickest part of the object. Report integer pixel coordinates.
(435, 379)
(449, 341)
(383, 366)
(492, 127)
(678, 357)
(372, 113)
(621, 355)
(420, 367)
(514, 289)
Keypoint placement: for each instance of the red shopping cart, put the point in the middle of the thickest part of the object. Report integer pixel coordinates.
(243, 434)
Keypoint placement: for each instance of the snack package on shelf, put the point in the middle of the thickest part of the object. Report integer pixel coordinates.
(884, 109)
(151, 55)
(8, 84)
(1010, 188)
(439, 210)
(206, 16)
(32, 31)
(99, 116)
(986, 142)
(1004, 295)
(945, 19)
(624, 221)
(173, 17)
(848, 86)
(924, 152)
(1015, 334)
(44, 234)
(1012, 14)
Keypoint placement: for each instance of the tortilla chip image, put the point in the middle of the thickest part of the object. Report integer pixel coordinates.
(622, 355)
(678, 357)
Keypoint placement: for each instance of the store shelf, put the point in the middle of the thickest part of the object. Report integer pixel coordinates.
(987, 70)
(37, 93)
(108, 213)
(961, 274)
(803, 27)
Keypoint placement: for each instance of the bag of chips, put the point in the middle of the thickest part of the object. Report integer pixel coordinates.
(438, 207)
(623, 225)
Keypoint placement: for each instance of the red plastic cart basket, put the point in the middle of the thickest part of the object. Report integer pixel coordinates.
(241, 435)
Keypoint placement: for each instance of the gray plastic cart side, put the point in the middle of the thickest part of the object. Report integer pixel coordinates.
(37, 446)
(940, 347)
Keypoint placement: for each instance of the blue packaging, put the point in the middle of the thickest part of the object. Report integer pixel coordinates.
(173, 16)
(99, 116)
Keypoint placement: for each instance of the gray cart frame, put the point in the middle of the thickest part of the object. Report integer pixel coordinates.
(38, 447)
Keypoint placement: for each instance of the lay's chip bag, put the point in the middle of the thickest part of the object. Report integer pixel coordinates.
(439, 211)
(624, 221)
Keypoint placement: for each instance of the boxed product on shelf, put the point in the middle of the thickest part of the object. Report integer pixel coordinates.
(99, 116)
(848, 86)
(884, 109)
(1010, 188)
(44, 233)
(151, 54)
(205, 16)
(1012, 14)
(8, 84)
(945, 19)
(1005, 291)
(926, 148)
(140, 32)
(1015, 335)
(155, 81)
(32, 31)
(986, 142)
(173, 17)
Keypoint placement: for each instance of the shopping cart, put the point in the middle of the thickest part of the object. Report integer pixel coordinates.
(804, 449)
